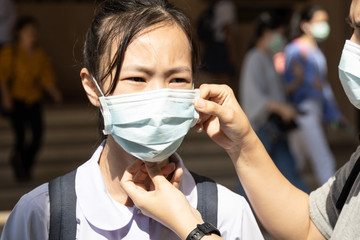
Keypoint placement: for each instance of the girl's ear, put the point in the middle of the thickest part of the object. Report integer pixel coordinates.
(89, 87)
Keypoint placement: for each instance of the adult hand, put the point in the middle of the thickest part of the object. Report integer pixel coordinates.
(287, 112)
(222, 118)
(166, 203)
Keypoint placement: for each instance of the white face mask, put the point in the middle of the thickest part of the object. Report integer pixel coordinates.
(277, 43)
(320, 30)
(349, 72)
(150, 125)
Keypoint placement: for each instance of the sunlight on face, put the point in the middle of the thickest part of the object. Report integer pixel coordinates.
(159, 57)
(354, 17)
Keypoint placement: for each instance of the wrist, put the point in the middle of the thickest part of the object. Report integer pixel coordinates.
(202, 230)
(245, 144)
(183, 228)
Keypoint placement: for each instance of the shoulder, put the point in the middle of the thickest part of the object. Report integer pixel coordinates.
(41, 54)
(292, 49)
(253, 56)
(336, 183)
(30, 216)
(323, 210)
(35, 200)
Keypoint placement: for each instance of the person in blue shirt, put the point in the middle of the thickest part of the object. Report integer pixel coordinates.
(309, 91)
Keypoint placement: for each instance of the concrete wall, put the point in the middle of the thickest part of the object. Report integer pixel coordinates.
(63, 27)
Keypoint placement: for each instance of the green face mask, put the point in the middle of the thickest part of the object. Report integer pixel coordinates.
(320, 31)
(277, 43)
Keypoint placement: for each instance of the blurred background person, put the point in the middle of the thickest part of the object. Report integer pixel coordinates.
(308, 89)
(7, 20)
(216, 29)
(263, 95)
(25, 72)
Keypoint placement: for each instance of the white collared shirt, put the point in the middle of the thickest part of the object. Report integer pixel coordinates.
(99, 216)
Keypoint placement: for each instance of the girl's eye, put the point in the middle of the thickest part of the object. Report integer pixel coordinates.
(179, 80)
(136, 79)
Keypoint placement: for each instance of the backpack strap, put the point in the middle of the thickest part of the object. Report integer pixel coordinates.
(207, 198)
(62, 207)
(348, 185)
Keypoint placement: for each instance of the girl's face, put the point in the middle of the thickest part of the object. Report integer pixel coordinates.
(159, 57)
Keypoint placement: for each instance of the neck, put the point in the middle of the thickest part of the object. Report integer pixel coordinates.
(309, 39)
(26, 48)
(261, 45)
(113, 162)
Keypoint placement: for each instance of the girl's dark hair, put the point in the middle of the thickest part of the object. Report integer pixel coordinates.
(265, 21)
(304, 15)
(22, 22)
(122, 21)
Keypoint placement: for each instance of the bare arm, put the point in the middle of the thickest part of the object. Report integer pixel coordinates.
(282, 208)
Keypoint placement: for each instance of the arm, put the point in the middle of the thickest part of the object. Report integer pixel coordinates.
(6, 98)
(298, 71)
(269, 192)
(48, 79)
(54, 93)
(286, 111)
(166, 204)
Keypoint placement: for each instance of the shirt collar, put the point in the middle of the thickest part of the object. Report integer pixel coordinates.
(100, 209)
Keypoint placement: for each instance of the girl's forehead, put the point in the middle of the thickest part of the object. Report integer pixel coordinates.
(157, 38)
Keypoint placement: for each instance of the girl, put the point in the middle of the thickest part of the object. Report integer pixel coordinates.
(140, 58)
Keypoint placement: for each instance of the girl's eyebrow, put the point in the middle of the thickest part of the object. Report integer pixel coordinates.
(150, 71)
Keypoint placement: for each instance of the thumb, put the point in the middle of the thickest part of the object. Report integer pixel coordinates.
(155, 174)
(130, 187)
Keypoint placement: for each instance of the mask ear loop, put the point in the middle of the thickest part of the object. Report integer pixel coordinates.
(105, 111)
(98, 87)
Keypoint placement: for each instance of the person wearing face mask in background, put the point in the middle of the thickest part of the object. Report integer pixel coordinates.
(139, 61)
(308, 89)
(330, 212)
(263, 97)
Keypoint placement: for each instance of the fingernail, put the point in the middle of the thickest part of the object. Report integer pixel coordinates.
(200, 103)
(199, 129)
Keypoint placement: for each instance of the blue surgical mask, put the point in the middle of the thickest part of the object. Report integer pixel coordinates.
(150, 125)
(349, 72)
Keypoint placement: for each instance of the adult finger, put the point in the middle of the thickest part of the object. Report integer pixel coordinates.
(176, 178)
(213, 98)
(140, 176)
(134, 167)
(168, 169)
(132, 190)
(155, 174)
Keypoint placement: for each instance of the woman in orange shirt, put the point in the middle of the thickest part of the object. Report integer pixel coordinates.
(25, 72)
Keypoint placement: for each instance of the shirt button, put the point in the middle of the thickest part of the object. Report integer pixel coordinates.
(138, 211)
